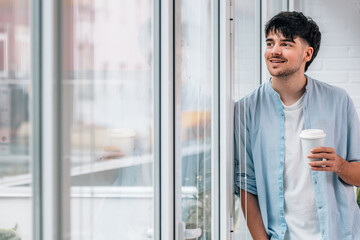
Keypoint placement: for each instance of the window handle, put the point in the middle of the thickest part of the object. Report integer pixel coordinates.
(184, 234)
(150, 233)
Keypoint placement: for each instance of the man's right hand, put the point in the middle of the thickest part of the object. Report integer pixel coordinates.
(112, 152)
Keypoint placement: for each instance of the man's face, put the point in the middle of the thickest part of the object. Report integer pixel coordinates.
(285, 57)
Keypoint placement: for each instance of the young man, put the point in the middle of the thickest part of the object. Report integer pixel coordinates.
(283, 195)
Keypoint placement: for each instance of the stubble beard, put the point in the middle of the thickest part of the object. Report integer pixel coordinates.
(284, 73)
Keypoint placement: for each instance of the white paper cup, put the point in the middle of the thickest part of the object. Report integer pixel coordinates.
(312, 138)
(122, 138)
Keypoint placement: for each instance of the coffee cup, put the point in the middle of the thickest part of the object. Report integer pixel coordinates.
(122, 139)
(312, 138)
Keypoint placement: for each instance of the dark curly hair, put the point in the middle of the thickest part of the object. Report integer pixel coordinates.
(295, 24)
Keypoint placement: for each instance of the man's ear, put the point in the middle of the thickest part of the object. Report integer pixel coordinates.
(308, 53)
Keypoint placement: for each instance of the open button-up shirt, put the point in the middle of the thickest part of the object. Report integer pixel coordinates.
(259, 156)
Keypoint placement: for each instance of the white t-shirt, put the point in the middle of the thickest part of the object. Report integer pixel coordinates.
(300, 208)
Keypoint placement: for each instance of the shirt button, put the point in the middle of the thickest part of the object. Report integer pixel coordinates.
(320, 207)
(282, 114)
(315, 182)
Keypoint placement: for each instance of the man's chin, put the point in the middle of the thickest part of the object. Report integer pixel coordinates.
(280, 74)
(277, 74)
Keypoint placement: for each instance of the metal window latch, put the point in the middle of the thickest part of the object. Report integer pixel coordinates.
(184, 234)
(231, 18)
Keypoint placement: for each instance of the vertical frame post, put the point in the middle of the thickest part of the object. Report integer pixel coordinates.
(226, 126)
(35, 146)
(55, 168)
(157, 118)
(167, 184)
(215, 148)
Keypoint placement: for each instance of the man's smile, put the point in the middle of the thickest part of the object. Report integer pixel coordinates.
(277, 60)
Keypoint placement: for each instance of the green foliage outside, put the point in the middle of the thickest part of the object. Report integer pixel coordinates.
(197, 209)
(9, 234)
(358, 196)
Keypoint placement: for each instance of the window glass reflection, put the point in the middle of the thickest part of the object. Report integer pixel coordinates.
(108, 117)
(245, 78)
(194, 52)
(15, 121)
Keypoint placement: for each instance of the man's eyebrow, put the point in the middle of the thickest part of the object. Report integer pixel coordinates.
(282, 40)
(287, 40)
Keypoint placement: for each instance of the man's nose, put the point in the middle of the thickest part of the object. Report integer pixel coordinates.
(276, 50)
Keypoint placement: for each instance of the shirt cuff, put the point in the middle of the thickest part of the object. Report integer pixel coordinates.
(250, 186)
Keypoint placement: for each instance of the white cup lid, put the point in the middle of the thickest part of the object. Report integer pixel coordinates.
(121, 132)
(312, 134)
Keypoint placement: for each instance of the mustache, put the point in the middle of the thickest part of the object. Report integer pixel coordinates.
(277, 58)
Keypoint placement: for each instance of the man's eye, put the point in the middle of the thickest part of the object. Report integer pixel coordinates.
(286, 45)
(269, 44)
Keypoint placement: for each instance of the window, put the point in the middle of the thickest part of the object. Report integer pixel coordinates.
(108, 117)
(194, 81)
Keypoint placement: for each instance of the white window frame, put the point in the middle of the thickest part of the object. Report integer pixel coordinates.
(226, 126)
(51, 174)
(55, 170)
(167, 120)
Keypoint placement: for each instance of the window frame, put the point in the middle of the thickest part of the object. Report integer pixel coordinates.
(51, 172)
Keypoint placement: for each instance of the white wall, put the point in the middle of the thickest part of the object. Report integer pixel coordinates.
(338, 61)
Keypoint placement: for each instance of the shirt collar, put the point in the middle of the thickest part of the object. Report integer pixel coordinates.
(309, 87)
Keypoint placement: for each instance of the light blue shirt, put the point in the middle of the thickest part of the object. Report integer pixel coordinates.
(259, 144)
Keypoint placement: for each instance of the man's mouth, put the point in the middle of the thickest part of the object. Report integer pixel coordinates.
(276, 60)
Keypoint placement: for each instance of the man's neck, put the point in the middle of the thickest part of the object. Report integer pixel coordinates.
(289, 88)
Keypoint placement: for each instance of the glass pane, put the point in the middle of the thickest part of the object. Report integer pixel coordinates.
(273, 7)
(15, 121)
(108, 117)
(246, 59)
(194, 82)
(245, 48)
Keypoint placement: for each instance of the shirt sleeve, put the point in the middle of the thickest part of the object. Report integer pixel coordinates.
(244, 173)
(353, 133)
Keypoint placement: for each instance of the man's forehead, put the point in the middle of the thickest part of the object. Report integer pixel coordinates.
(280, 35)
